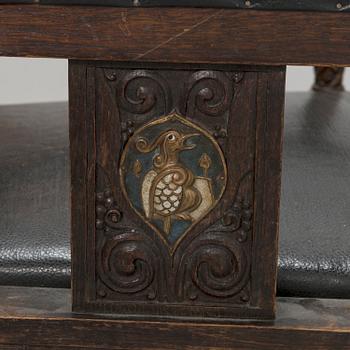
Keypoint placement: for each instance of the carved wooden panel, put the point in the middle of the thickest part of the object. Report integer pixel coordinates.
(180, 173)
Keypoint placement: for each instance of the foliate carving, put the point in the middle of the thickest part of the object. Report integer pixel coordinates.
(216, 262)
(148, 93)
(110, 74)
(165, 231)
(239, 218)
(220, 132)
(141, 91)
(107, 214)
(128, 259)
(210, 92)
(128, 129)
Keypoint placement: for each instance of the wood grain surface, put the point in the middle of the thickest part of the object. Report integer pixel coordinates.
(41, 319)
(224, 265)
(175, 35)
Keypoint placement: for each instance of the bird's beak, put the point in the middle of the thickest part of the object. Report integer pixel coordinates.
(185, 138)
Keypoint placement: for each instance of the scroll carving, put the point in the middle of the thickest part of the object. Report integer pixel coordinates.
(215, 265)
(127, 262)
(210, 92)
(141, 91)
(148, 93)
(216, 262)
(172, 173)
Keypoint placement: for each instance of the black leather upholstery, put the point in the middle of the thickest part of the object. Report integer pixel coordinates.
(304, 5)
(34, 192)
(315, 218)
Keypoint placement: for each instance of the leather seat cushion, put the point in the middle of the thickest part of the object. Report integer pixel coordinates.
(314, 256)
(34, 188)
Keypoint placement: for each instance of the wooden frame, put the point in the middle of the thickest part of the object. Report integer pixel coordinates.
(176, 35)
(38, 319)
(201, 36)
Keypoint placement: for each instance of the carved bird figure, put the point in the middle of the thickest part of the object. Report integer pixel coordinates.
(170, 184)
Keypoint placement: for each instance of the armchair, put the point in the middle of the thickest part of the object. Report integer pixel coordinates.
(201, 85)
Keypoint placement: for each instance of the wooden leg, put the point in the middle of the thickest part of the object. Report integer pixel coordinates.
(329, 78)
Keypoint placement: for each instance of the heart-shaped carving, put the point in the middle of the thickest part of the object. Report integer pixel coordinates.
(173, 173)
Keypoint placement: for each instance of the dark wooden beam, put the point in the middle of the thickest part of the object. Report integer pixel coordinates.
(305, 5)
(41, 318)
(176, 35)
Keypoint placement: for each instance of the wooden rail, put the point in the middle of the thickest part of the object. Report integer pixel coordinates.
(41, 319)
(176, 35)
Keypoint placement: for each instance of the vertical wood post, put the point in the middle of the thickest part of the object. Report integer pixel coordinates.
(175, 189)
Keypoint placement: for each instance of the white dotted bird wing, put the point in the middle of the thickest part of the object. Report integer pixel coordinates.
(167, 195)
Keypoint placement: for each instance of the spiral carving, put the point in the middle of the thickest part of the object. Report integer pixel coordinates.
(216, 266)
(140, 91)
(128, 263)
(142, 145)
(210, 92)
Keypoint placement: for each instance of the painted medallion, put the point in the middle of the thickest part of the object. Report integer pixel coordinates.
(173, 173)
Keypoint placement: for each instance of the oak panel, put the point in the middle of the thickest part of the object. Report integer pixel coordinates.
(175, 35)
